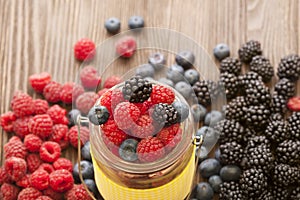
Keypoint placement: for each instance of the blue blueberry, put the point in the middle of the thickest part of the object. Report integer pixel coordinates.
(213, 117)
(136, 22)
(175, 73)
(182, 109)
(184, 89)
(166, 81)
(209, 167)
(87, 170)
(192, 76)
(185, 59)
(157, 60)
(215, 182)
(85, 152)
(127, 150)
(145, 70)
(91, 185)
(98, 115)
(198, 111)
(230, 173)
(72, 117)
(202, 153)
(221, 51)
(204, 191)
(112, 25)
(209, 136)
(217, 154)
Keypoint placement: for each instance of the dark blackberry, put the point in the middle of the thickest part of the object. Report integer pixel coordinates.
(288, 152)
(279, 104)
(262, 66)
(231, 65)
(294, 125)
(165, 114)
(295, 193)
(277, 129)
(253, 182)
(267, 195)
(246, 80)
(229, 131)
(289, 67)
(258, 94)
(137, 89)
(231, 153)
(257, 141)
(249, 50)
(280, 193)
(285, 175)
(285, 87)
(231, 191)
(257, 117)
(230, 84)
(235, 109)
(205, 90)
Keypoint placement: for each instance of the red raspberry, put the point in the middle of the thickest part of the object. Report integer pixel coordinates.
(60, 135)
(162, 94)
(111, 99)
(29, 193)
(52, 194)
(58, 114)
(21, 126)
(143, 127)
(86, 101)
(9, 192)
(78, 192)
(112, 81)
(170, 136)
(44, 198)
(89, 77)
(24, 182)
(126, 47)
(41, 125)
(14, 148)
(70, 92)
(40, 106)
(47, 167)
(150, 149)
(61, 180)
(22, 104)
(63, 163)
(112, 133)
(73, 136)
(33, 143)
(33, 162)
(40, 179)
(39, 81)
(144, 107)
(4, 178)
(52, 91)
(15, 168)
(7, 121)
(102, 91)
(84, 49)
(126, 114)
(50, 151)
(294, 104)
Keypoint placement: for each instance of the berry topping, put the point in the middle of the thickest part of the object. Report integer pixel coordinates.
(112, 134)
(150, 149)
(127, 150)
(98, 115)
(164, 115)
(126, 114)
(137, 90)
(143, 127)
(162, 94)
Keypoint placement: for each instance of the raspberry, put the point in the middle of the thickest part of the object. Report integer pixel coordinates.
(50, 151)
(60, 135)
(15, 168)
(112, 133)
(14, 148)
(150, 149)
(41, 125)
(47, 167)
(294, 104)
(111, 98)
(112, 81)
(40, 106)
(52, 91)
(32, 143)
(33, 162)
(58, 115)
(102, 91)
(126, 47)
(144, 107)
(61, 180)
(44, 198)
(161, 94)
(22, 104)
(70, 92)
(39, 81)
(4, 178)
(78, 192)
(86, 101)
(73, 136)
(84, 49)
(24, 182)
(63, 163)
(170, 136)
(7, 120)
(39, 179)
(126, 114)
(21, 126)
(89, 77)
(143, 127)
(29, 193)
(9, 192)
(52, 194)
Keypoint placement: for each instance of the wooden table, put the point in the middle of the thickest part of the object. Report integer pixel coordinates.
(38, 35)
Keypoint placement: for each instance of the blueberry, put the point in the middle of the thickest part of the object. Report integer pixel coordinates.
(184, 89)
(112, 25)
(204, 191)
(202, 154)
(192, 76)
(221, 51)
(145, 70)
(182, 109)
(209, 136)
(198, 111)
(136, 22)
(157, 60)
(98, 115)
(217, 154)
(185, 59)
(175, 73)
(230, 173)
(91, 185)
(166, 81)
(127, 150)
(213, 117)
(87, 170)
(209, 167)
(72, 117)
(215, 182)
(85, 152)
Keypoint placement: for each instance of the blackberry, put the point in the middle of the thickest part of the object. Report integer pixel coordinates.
(253, 182)
(235, 109)
(246, 80)
(230, 84)
(258, 93)
(137, 89)
(231, 153)
(257, 141)
(165, 114)
(285, 175)
(277, 129)
(249, 50)
(295, 193)
(280, 193)
(288, 152)
(285, 87)
(294, 125)
(205, 90)
(257, 117)
(279, 104)
(262, 66)
(231, 191)
(289, 67)
(229, 131)
(267, 195)
(231, 65)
